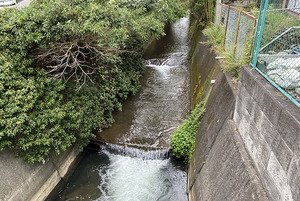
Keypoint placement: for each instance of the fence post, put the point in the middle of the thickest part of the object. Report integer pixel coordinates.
(261, 28)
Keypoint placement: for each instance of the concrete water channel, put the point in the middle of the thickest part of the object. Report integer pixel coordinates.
(134, 163)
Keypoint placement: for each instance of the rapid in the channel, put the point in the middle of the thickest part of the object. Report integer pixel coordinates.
(134, 163)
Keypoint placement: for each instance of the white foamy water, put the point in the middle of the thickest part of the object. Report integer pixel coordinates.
(136, 179)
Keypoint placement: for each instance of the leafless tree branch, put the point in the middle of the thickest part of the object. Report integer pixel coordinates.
(74, 59)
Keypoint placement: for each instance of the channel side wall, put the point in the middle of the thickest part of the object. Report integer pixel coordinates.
(34, 182)
(247, 146)
(221, 169)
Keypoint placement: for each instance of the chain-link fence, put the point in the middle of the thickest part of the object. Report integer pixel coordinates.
(276, 51)
(239, 29)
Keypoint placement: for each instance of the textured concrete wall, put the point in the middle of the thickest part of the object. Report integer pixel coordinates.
(201, 76)
(221, 168)
(227, 173)
(248, 145)
(22, 181)
(269, 125)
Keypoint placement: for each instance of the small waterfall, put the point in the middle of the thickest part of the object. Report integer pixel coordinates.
(134, 152)
(173, 60)
(138, 175)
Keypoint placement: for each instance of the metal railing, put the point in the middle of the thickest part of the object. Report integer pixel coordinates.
(276, 47)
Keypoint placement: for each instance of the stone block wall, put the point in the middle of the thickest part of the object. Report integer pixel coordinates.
(269, 125)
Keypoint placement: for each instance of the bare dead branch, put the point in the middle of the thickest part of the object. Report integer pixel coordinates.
(74, 59)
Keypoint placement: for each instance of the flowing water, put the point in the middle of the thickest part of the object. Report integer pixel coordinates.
(134, 164)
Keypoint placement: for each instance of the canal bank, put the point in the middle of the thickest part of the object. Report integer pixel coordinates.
(23, 181)
(246, 148)
(247, 144)
(220, 167)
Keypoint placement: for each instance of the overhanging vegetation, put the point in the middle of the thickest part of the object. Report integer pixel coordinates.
(65, 65)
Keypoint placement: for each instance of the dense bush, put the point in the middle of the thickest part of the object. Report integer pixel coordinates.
(183, 139)
(65, 65)
(215, 35)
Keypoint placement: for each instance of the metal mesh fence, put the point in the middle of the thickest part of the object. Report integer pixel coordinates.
(218, 14)
(276, 53)
(239, 29)
(224, 15)
(247, 26)
(231, 31)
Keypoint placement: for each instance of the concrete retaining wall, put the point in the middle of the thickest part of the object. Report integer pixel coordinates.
(247, 147)
(22, 181)
(221, 168)
(203, 67)
(269, 125)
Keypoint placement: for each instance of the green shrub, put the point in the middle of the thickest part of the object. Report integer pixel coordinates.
(231, 63)
(65, 66)
(183, 139)
(215, 35)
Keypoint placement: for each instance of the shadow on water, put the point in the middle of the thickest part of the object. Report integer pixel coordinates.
(134, 163)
